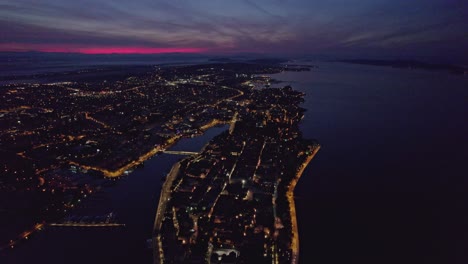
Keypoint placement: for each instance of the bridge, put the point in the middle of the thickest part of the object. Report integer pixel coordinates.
(180, 152)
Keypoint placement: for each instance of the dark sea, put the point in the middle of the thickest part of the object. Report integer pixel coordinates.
(387, 186)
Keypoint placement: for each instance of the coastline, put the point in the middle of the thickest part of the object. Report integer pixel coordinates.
(117, 173)
(169, 142)
(158, 254)
(292, 206)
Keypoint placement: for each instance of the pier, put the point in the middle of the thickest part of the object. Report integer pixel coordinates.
(89, 221)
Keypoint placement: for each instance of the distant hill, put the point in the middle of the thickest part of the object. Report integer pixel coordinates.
(221, 60)
(249, 59)
(268, 61)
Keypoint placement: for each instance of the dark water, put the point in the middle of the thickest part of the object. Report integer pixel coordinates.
(134, 199)
(389, 183)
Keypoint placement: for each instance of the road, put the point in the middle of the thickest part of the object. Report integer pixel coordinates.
(292, 207)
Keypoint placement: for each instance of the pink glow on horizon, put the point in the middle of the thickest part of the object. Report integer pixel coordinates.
(138, 50)
(95, 50)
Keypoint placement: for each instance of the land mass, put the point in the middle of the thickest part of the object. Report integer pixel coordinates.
(64, 136)
(233, 202)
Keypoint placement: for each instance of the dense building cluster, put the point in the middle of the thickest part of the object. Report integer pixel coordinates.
(59, 138)
(62, 141)
(229, 203)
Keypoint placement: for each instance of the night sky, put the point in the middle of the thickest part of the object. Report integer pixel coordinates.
(431, 28)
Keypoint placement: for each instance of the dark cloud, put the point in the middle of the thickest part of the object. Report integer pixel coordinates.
(293, 26)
